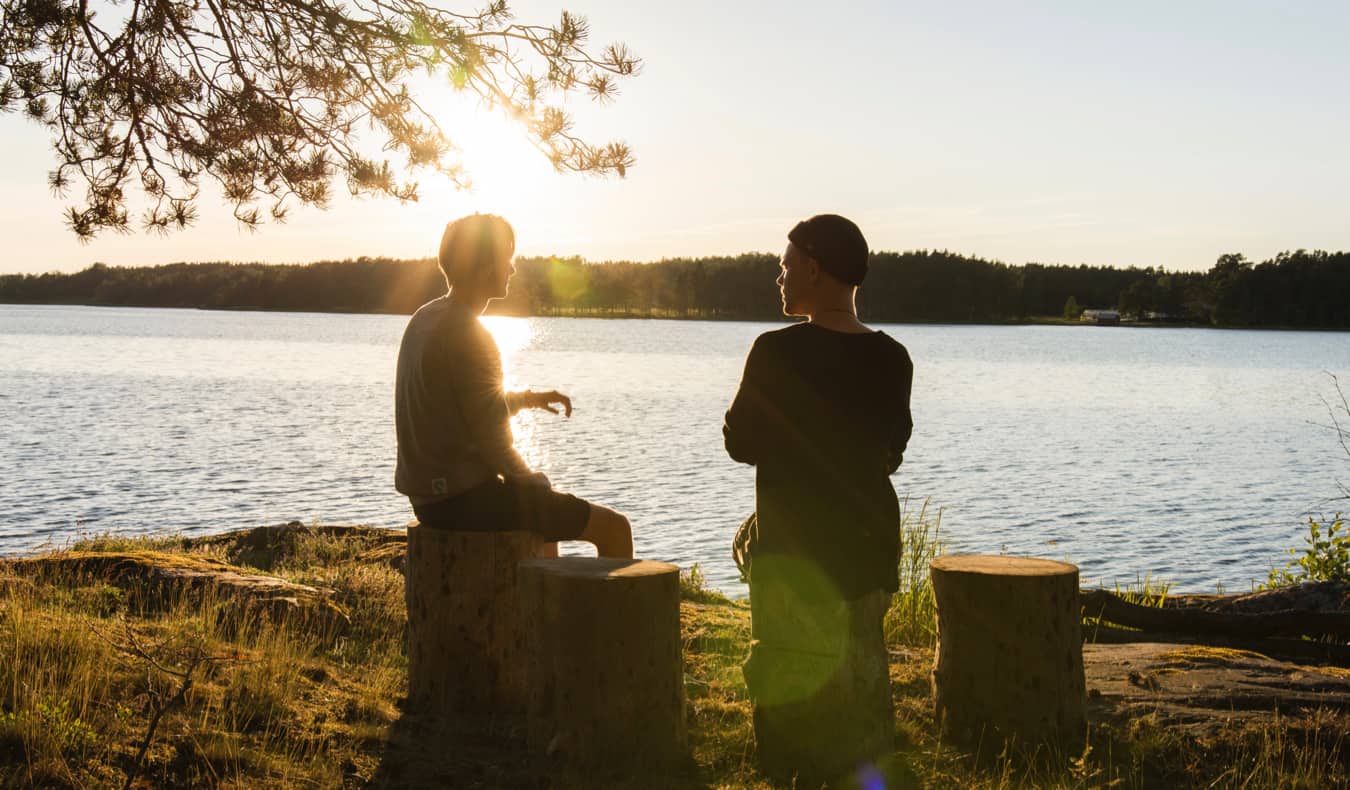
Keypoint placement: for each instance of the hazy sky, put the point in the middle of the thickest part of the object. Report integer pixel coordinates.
(1143, 133)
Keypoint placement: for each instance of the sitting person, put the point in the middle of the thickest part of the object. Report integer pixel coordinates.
(456, 461)
(823, 414)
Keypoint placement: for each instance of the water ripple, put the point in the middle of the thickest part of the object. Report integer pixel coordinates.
(1189, 455)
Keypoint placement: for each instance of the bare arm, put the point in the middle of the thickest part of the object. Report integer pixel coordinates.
(527, 399)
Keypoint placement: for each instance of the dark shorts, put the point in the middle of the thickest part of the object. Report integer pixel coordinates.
(506, 506)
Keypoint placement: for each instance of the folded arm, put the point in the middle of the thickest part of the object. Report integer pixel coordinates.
(744, 429)
(904, 423)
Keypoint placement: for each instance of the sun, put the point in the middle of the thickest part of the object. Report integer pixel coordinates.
(506, 172)
(508, 176)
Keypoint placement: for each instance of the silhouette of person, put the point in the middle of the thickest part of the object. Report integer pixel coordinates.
(456, 461)
(823, 414)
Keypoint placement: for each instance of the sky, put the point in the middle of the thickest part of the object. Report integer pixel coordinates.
(1121, 134)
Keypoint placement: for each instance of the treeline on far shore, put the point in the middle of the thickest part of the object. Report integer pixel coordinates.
(1293, 289)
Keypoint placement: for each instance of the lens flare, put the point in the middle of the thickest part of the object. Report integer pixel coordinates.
(869, 778)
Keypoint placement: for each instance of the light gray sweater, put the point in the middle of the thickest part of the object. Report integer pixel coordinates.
(450, 409)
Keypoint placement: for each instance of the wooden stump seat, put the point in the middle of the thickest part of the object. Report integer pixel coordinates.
(602, 640)
(465, 643)
(1009, 664)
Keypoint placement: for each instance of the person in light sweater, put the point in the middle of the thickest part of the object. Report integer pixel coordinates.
(456, 460)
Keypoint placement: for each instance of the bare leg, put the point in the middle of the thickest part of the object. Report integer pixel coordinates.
(547, 550)
(610, 532)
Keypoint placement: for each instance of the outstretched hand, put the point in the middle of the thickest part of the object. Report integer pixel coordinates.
(547, 401)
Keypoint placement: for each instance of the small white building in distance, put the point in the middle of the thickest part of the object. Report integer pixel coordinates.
(1101, 317)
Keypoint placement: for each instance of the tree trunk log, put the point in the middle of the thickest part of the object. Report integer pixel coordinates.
(1299, 651)
(603, 644)
(1323, 596)
(1009, 665)
(1285, 622)
(465, 644)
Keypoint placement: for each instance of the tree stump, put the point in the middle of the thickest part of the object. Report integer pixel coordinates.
(603, 643)
(465, 644)
(1009, 665)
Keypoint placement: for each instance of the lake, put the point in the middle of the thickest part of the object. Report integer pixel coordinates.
(1193, 455)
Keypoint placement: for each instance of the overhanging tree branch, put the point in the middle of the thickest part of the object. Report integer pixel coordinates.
(269, 97)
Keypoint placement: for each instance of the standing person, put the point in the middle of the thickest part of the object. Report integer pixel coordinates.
(456, 460)
(823, 415)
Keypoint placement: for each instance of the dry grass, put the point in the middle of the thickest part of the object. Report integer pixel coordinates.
(82, 676)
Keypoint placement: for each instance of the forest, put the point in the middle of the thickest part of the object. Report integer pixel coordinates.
(1293, 289)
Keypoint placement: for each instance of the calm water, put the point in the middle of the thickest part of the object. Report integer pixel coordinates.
(1189, 454)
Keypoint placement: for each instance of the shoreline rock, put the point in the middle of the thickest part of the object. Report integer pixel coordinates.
(158, 580)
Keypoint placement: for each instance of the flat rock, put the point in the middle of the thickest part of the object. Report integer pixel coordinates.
(394, 554)
(268, 546)
(1203, 689)
(158, 580)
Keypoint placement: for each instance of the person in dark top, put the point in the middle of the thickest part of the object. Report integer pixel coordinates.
(823, 415)
(456, 461)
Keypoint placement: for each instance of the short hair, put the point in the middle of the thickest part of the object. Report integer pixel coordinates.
(472, 243)
(836, 244)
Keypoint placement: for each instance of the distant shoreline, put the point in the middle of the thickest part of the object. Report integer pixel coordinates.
(1298, 289)
(638, 316)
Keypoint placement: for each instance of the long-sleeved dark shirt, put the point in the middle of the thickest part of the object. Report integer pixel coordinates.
(824, 417)
(450, 410)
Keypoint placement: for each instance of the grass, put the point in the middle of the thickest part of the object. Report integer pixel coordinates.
(1146, 591)
(694, 587)
(94, 690)
(912, 618)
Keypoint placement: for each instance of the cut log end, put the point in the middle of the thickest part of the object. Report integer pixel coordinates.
(599, 567)
(1002, 566)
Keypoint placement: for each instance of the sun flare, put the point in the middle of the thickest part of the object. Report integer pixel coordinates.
(507, 175)
(500, 163)
(511, 334)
